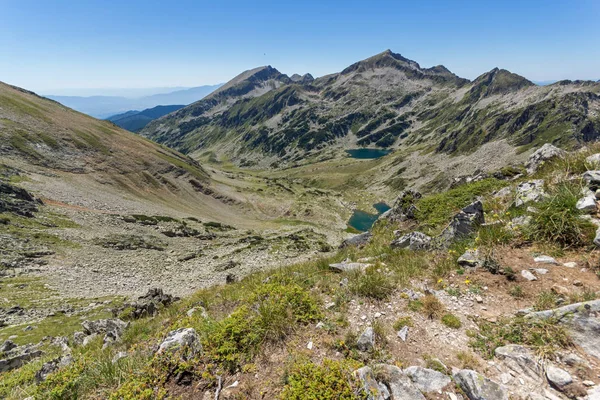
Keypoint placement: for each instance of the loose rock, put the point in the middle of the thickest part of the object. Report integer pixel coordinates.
(478, 387)
(366, 341)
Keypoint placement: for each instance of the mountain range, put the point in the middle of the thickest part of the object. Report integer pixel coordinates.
(107, 106)
(264, 117)
(136, 120)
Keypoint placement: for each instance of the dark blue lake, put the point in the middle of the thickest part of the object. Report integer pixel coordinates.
(363, 221)
(367, 154)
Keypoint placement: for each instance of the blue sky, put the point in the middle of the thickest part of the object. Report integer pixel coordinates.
(47, 45)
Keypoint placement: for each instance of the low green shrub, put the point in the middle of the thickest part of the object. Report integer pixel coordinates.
(332, 380)
(451, 321)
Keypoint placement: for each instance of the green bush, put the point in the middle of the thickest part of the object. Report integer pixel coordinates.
(372, 284)
(451, 321)
(330, 381)
(558, 221)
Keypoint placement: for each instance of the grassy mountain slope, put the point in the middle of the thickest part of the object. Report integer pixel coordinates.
(136, 120)
(263, 117)
(295, 333)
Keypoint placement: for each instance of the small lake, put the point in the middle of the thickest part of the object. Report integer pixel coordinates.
(367, 154)
(363, 221)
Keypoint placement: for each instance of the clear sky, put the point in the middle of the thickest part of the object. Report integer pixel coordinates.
(48, 45)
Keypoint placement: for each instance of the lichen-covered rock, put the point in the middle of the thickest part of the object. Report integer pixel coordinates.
(370, 387)
(530, 191)
(348, 266)
(19, 356)
(587, 203)
(52, 366)
(403, 208)
(412, 241)
(400, 385)
(592, 179)
(478, 387)
(469, 258)
(185, 339)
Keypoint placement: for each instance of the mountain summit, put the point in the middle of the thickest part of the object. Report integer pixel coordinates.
(263, 117)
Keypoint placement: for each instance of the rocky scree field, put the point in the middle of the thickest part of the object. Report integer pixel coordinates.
(488, 290)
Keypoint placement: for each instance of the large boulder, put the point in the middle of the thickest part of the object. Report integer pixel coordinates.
(412, 241)
(520, 360)
(478, 387)
(581, 319)
(530, 191)
(464, 223)
(184, 339)
(359, 240)
(427, 380)
(400, 385)
(540, 156)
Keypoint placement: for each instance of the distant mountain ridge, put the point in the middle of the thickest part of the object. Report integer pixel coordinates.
(263, 117)
(136, 120)
(107, 106)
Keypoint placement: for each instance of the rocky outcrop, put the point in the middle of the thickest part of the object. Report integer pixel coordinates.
(404, 207)
(147, 305)
(466, 222)
(540, 156)
(18, 356)
(16, 200)
(520, 360)
(478, 387)
(112, 329)
(427, 380)
(53, 366)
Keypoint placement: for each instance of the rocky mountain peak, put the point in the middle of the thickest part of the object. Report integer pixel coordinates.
(499, 81)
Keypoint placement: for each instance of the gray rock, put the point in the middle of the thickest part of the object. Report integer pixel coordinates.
(359, 240)
(366, 341)
(594, 393)
(521, 221)
(540, 156)
(587, 204)
(528, 275)
(412, 241)
(348, 266)
(559, 378)
(478, 387)
(504, 192)
(592, 179)
(404, 207)
(403, 333)
(183, 338)
(531, 191)
(520, 360)
(401, 387)
(573, 360)
(593, 160)
(545, 260)
(540, 271)
(469, 259)
(370, 387)
(581, 319)
(464, 223)
(52, 366)
(111, 328)
(88, 339)
(7, 346)
(118, 356)
(18, 357)
(427, 380)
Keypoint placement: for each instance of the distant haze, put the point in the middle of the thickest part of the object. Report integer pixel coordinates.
(104, 106)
